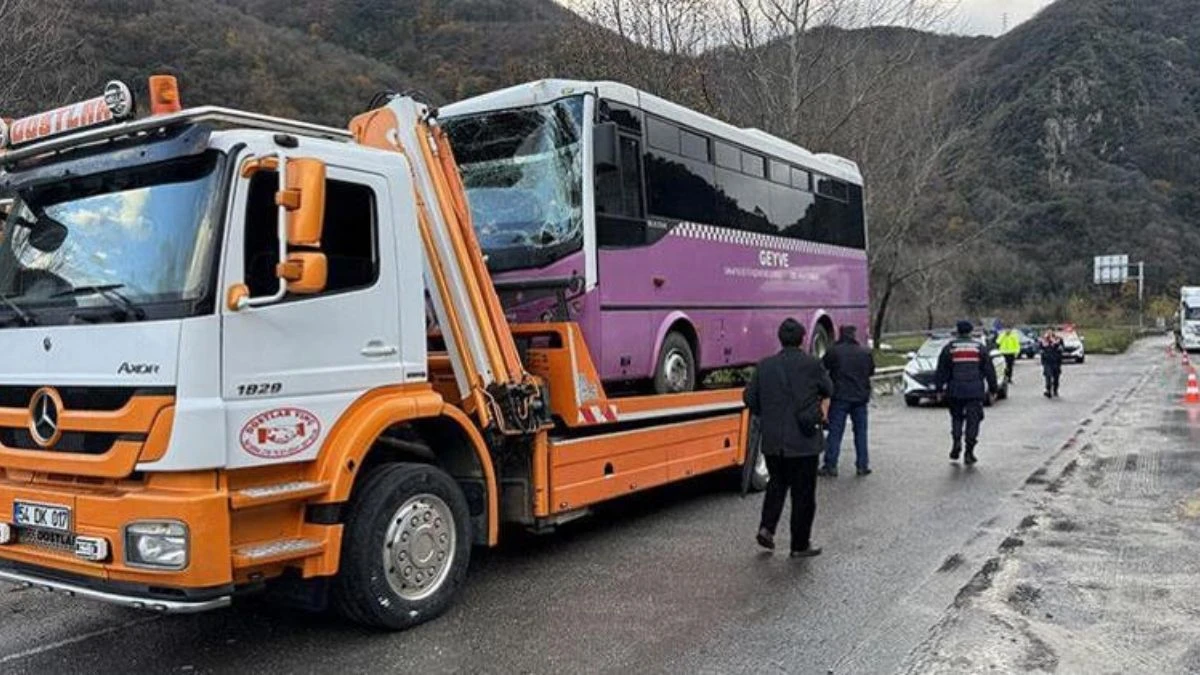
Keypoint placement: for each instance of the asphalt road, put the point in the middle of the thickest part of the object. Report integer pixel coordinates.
(1100, 577)
(667, 582)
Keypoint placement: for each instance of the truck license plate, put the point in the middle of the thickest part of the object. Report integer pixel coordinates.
(42, 516)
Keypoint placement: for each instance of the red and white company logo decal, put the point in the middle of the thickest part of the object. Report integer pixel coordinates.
(281, 432)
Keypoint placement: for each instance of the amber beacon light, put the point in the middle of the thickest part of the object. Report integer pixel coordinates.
(164, 95)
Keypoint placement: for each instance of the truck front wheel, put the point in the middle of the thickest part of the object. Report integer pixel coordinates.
(406, 547)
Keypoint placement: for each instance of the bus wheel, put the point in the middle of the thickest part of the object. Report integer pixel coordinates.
(820, 341)
(676, 371)
(405, 548)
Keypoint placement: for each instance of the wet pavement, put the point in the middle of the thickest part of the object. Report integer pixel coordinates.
(1103, 574)
(920, 560)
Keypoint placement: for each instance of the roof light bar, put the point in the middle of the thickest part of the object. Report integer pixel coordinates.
(115, 105)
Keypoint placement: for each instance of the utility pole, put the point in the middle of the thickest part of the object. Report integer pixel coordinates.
(1141, 295)
(1004, 23)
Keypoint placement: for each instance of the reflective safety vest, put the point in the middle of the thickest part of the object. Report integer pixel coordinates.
(1009, 343)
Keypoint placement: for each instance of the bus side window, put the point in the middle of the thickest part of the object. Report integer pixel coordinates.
(631, 177)
(620, 210)
(619, 191)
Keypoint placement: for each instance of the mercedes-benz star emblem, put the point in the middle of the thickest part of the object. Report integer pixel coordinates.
(43, 417)
(47, 344)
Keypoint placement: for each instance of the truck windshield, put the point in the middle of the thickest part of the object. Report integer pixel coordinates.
(522, 170)
(126, 244)
(1191, 313)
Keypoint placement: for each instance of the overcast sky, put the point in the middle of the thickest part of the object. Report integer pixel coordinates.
(986, 17)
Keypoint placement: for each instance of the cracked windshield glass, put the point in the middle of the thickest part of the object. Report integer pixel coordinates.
(128, 238)
(522, 169)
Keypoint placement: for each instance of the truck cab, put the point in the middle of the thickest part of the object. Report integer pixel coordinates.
(1188, 329)
(153, 345)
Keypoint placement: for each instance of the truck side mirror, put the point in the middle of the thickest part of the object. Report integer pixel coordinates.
(301, 202)
(604, 146)
(304, 199)
(305, 272)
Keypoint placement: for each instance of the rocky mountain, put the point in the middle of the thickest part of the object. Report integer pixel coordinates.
(1087, 119)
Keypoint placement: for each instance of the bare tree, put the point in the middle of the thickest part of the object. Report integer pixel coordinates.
(932, 286)
(808, 67)
(656, 45)
(35, 46)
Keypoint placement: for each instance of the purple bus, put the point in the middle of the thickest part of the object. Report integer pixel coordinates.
(678, 242)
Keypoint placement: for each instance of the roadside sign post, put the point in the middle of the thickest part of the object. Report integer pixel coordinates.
(1114, 270)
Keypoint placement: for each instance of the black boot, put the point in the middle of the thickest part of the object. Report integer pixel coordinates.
(765, 539)
(970, 457)
(956, 451)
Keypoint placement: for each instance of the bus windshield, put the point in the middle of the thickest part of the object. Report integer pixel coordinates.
(119, 242)
(1191, 313)
(522, 170)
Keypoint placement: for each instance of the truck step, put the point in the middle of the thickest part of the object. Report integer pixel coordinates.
(262, 495)
(278, 550)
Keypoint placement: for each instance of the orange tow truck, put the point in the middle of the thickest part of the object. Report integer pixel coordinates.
(220, 377)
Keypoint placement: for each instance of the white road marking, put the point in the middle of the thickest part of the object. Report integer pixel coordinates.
(75, 640)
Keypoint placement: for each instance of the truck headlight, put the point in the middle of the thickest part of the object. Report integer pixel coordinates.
(158, 544)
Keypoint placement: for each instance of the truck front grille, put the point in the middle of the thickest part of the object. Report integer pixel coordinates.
(85, 443)
(86, 421)
(81, 398)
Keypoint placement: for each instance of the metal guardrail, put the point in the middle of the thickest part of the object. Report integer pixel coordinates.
(887, 381)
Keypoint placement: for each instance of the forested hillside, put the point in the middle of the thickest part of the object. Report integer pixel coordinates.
(1088, 121)
(996, 168)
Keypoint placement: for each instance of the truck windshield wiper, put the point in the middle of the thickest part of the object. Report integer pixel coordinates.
(25, 317)
(108, 292)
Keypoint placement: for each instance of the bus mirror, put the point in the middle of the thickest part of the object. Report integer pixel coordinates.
(305, 273)
(304, 199)
(604, 146)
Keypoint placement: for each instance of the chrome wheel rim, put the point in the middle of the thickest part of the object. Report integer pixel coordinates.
(675, 368)
(419, 547)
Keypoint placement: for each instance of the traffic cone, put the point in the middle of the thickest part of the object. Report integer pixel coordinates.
(1187, 363)
(1193, 388)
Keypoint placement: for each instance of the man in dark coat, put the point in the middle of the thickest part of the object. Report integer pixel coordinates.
(964, 370)
(1052, 360)
(850, 367)
(790, 392)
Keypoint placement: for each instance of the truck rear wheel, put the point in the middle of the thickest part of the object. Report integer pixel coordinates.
(676, 370)
(406, 547)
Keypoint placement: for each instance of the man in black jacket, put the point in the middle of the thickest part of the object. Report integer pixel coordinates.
(790, 392)
(850, 367)
(964, 368)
